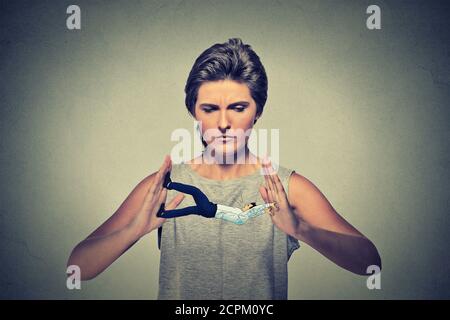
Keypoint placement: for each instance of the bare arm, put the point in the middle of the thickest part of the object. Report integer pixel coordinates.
(94, 254)
(307, 215)
(325, 230)
(133, 219)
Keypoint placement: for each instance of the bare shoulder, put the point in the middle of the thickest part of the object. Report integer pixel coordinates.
(127, 210)
(311, 205)
(300, 188)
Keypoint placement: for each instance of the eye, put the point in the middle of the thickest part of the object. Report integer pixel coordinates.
(239, 108)
(208, 110)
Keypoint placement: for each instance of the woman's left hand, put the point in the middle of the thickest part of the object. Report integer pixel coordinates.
(283, 215)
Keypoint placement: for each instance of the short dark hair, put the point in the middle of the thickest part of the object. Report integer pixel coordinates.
(231, 60)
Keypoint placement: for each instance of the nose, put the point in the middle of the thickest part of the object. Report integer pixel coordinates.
(223, 124)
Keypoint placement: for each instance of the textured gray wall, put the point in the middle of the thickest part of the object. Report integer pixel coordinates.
(86, 114)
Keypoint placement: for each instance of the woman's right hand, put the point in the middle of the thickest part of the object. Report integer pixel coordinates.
(146, 220)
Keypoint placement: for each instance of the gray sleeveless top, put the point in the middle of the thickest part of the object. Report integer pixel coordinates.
(212, 258)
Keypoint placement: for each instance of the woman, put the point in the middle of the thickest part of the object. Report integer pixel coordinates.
(210, 258)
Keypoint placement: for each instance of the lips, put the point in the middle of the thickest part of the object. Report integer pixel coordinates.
(225, 139)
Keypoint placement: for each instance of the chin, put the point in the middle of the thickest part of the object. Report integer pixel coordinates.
(225, 152)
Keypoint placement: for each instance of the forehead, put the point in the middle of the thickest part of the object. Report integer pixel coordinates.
(223, 90)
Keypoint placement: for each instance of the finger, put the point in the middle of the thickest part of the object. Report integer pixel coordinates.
(158, 186)
(160, 203)
(163, 165)
(170, 163)
(161, 174)
(269, 186)
(281, 192)
(265, 160)
(270, 197)
(150, 196)
(272, 180)
(165, 161)
(272, 174)
(278, 193)
(157, 178)
(162, 196)
(164, 168)
(152, 192)
(175, 202)
(263, 192)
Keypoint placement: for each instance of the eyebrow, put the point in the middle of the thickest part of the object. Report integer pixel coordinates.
(244, 103)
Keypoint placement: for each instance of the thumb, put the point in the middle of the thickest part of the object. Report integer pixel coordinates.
(263, 192)
(175, 202)
(161, 206)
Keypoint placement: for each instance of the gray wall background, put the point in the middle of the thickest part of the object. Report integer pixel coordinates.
(85, 115)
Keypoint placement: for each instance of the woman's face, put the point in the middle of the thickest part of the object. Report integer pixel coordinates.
(225, 108)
